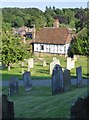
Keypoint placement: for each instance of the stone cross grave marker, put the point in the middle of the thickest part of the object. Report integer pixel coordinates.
(7, 108)
(79, 76)
(57, 80)
(13, 85)
(27, 81)
(66, 80)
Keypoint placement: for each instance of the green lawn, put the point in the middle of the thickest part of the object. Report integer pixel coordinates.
(39, 102)
(40, 72)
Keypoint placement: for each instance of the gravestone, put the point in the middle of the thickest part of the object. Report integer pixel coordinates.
(13, 85)
(7, 108)
(27, 81)
(22, 70)
(28, 65)
(22, 64)
(31, 63)
(79, 76)
(72, 63)
(56, 61)
(57, 80)
(66, 80)
(80, 109)
(44, 62)
(75, 58)
(54, 58)
(52, 64)
(69, 63)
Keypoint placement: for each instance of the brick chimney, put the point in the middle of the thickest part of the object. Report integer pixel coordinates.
(56, 23)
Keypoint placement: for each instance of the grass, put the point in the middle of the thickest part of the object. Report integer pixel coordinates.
(40, 72)
(39, 102)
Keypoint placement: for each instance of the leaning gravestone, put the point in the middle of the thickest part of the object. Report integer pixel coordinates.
(13, 85)
(7, 108)
(66, 80)
(79, 76)
(27, 81)
(57, 80)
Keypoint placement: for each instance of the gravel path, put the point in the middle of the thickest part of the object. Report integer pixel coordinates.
(46, 82)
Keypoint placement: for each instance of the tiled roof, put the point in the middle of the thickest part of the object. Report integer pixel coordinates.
(52, 36)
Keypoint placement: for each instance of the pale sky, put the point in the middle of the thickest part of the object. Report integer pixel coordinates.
(41, 4)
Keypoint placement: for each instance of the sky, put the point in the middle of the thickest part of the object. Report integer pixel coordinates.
(41, 4)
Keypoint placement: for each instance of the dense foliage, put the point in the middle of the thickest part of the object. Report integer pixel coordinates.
(12, 49)
(16, 17)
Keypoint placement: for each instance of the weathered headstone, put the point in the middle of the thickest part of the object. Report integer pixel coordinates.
(44, 62)
(66, 80)
(79, 76)
(13, 85)
(56, 61)
(75, 58)
(72, 63)
(57, 80)
(69, 63)
(22, 64)
(22, 70)
(54, 58)
(80, 109)
(52, 64)
(27, 81)
(9, 66)
(31, 63)
(7, 108)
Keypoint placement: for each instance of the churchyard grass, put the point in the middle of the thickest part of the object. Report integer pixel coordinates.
(39, 102)
(40, 72)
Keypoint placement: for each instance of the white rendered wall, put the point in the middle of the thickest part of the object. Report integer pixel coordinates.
(60, 49)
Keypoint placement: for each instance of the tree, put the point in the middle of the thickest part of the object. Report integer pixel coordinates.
(18, 22)
(80, 45)
(12, 49)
